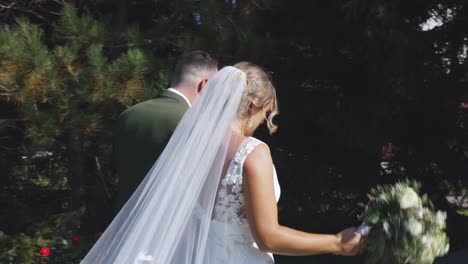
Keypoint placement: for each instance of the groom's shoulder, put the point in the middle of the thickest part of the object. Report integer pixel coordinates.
(150, 105)
(163, 101)
(141, 107)
(155, 108)
(144, 105)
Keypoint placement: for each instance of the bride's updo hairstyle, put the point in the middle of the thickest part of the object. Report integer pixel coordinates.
(260, 92)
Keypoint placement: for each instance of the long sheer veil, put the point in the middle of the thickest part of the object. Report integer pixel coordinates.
(167, 218)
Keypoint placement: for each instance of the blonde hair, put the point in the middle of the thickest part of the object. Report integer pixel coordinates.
(259, 91)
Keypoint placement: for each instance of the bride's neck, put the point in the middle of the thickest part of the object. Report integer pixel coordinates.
(238, 128)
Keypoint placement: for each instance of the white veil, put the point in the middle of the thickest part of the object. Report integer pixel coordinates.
(167, 218)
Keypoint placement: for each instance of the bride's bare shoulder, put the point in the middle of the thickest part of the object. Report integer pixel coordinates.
(259, 157)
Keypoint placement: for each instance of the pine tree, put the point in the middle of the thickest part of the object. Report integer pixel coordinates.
(62, 84)
(68, 92)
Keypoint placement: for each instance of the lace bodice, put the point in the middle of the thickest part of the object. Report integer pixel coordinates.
(230, 206)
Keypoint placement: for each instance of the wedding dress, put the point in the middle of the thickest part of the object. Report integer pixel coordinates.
(188, 210)
(230, 239)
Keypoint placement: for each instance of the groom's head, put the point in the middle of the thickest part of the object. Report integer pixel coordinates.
(192, 71)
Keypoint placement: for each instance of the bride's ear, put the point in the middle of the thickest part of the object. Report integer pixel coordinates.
(252, 109)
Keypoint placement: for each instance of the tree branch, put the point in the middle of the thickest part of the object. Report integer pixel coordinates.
(98, 165)
(6, 89)
(3, 6)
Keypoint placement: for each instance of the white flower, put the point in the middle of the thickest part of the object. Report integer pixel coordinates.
(424, 239)
(428, 241)
(440, 219)
(420, 212)
(447, 247)
(409, 198)
(414, 227)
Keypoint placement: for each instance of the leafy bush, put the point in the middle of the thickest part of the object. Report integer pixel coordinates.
(54, 240)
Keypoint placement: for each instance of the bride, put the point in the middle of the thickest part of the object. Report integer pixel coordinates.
(211, 196)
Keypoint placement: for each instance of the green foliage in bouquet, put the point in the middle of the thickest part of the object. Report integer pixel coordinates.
(405, 228)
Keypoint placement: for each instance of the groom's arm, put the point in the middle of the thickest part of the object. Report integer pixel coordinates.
(262, 216)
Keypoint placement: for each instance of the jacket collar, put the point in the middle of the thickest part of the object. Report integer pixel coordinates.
(174, 95)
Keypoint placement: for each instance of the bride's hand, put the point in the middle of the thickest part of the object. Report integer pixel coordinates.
(350, 242)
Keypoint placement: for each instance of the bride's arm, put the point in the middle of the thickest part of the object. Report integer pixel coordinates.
(262, 216)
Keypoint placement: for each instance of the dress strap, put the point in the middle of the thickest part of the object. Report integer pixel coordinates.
(245, 148)
(234, 174)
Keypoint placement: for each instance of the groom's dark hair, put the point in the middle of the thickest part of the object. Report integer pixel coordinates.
(191, 65)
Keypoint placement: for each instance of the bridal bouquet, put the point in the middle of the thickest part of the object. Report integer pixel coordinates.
(403, 227)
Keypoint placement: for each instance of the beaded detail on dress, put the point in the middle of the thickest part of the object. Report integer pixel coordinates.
(229, 207)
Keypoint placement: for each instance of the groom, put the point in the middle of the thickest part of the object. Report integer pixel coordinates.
(143, 130)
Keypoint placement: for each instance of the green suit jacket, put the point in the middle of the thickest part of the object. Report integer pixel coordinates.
(140, 135)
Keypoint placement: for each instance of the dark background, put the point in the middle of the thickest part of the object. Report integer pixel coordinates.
(368, 95)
